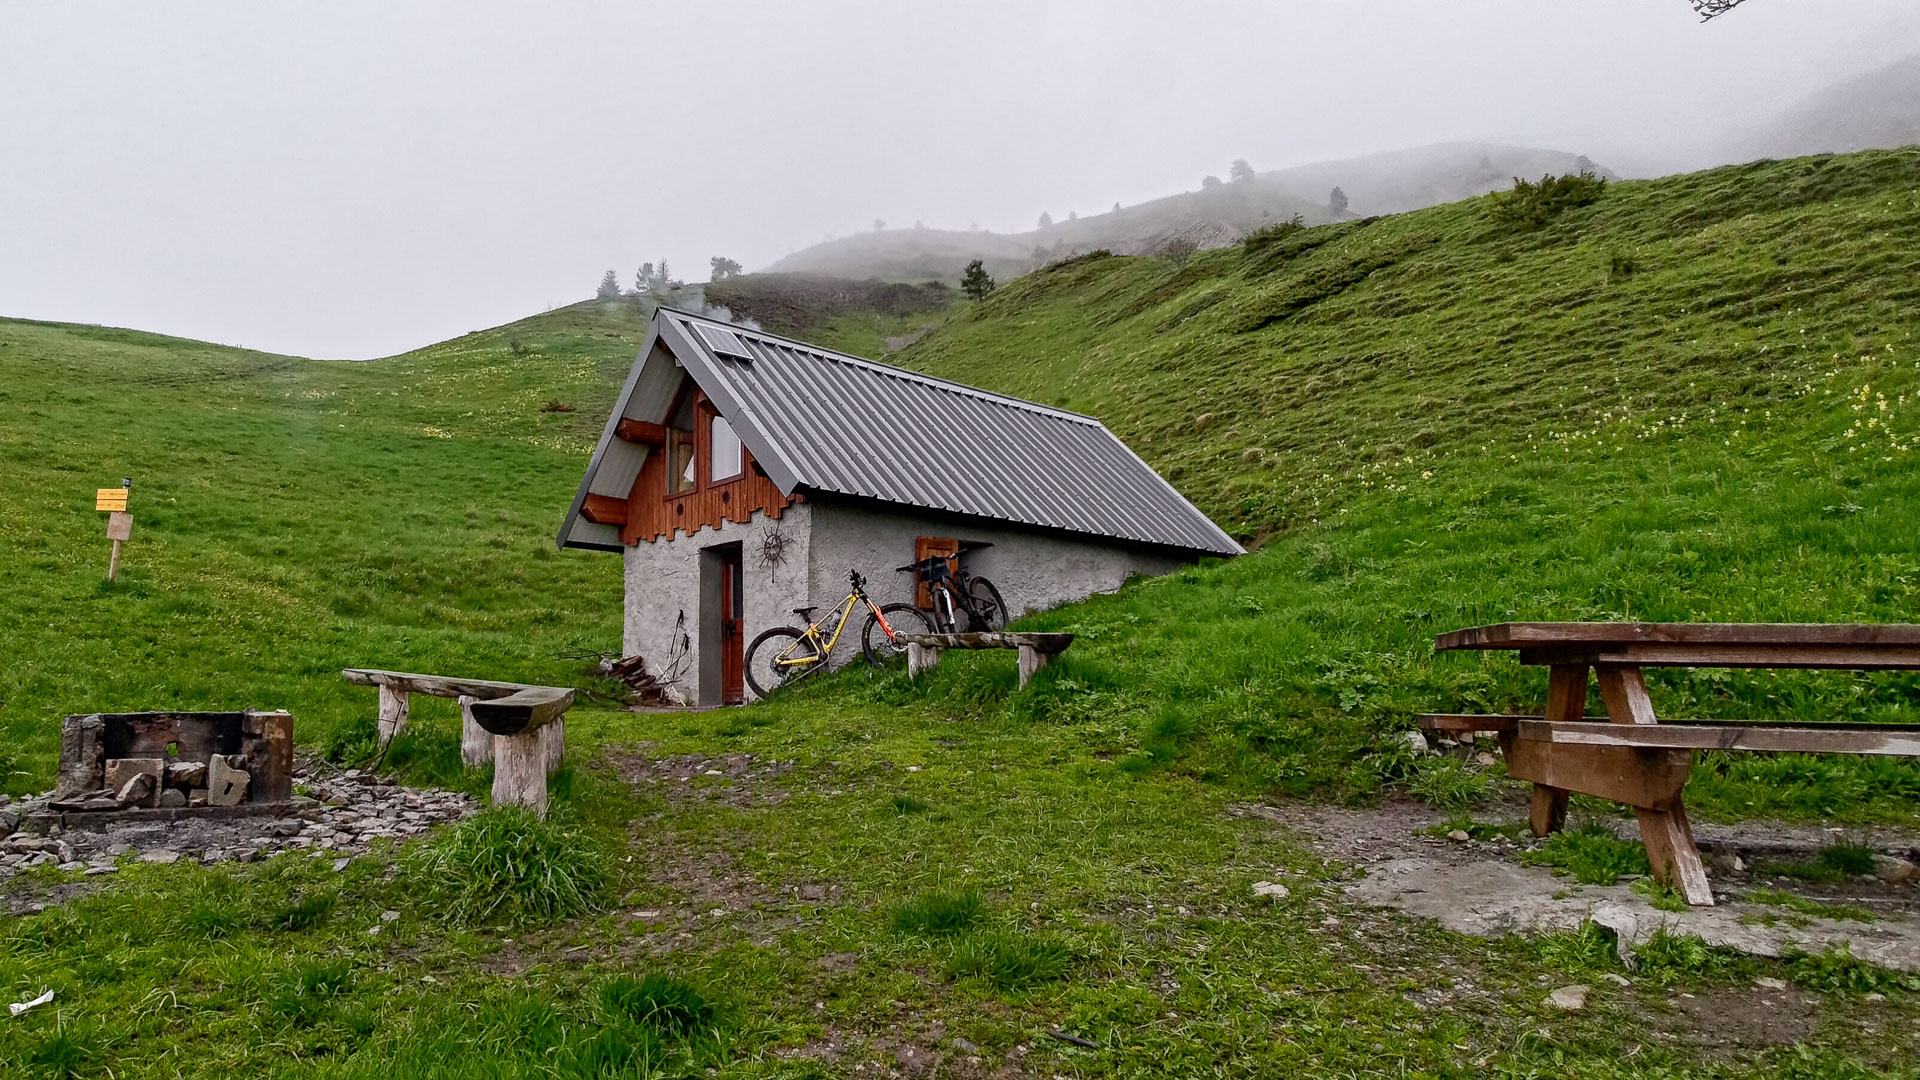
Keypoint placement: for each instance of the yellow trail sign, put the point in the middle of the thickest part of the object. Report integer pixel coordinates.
(110, 499)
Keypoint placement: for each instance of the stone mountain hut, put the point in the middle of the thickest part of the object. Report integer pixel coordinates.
(743, 475)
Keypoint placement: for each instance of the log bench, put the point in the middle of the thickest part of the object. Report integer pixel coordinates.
(1630, 755)
(1036, 650)
(521, 728)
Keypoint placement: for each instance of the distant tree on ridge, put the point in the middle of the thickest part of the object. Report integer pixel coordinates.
(1337, 202)
(879, 224)
(723, 268)
(975, 282)
(609, 287)
(1240, 170)
(650, 282)
(1209, 181)
(1046, 220)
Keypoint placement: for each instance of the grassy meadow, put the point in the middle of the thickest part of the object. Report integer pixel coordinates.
(1692, 399)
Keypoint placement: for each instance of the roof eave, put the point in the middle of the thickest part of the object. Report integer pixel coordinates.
(607, 435)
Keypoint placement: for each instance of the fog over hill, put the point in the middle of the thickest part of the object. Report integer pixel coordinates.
(1214, 216)
(355, 178)
(1877, 110)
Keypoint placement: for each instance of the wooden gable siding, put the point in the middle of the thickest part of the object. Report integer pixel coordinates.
(653, 513)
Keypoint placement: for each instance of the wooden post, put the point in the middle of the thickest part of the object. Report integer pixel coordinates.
(921, 658)
(119, 530)
(1566, 700)
(520, 770)
(553, 742)
(1031, 661)
(393, 713)
(476, 744)
(1668, 836)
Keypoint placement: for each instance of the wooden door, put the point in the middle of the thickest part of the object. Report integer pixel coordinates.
(733, 630)
(927, 547)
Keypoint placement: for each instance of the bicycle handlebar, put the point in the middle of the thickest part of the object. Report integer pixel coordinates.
(859, 583)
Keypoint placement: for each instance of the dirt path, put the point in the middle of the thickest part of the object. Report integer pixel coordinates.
(1482, 888)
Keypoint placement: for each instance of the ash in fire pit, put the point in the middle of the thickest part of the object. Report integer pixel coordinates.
(174, 761)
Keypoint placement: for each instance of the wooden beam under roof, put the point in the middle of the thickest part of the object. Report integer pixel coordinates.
(604, 509)
(643, 432)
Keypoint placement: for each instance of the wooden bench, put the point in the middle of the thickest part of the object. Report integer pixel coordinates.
(521, 728)
(1630, 755)
(1036, 650)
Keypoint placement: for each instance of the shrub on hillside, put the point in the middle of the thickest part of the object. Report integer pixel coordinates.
(1267, 235)
(1076, 260)
(1179, 249)
(506, 866)
(1530, 205)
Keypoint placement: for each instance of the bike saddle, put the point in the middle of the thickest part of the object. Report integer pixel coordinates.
(806, 612)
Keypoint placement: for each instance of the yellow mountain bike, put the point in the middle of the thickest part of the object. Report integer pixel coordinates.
(783, 655)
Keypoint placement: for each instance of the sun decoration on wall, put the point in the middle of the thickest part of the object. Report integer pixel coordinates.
(773, 549)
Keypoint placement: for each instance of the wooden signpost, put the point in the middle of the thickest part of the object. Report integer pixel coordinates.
(119, 521)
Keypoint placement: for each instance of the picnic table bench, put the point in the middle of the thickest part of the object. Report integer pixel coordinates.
(1036, 650)
(1630, 756)
(520, 727)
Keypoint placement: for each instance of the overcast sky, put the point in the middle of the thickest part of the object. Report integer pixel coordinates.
(349, 179)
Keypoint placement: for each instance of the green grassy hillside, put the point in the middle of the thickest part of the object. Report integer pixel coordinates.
(1694, 399)
(1691, 399)
(291, 517)
(296, 516)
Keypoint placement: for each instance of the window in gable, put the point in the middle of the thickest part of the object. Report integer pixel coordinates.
(724, 451)
(680, 465)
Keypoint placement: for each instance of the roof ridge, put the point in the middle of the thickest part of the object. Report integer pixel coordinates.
(896, 371)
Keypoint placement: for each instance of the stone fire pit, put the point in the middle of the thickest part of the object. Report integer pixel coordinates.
(191, 762)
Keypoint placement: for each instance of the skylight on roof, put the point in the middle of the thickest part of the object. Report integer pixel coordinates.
(723, 341)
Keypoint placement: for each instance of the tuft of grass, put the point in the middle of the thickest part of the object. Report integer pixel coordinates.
(908, 804)
(210, 919)
(1448, 783)
(304, 913)
(666, 1004)
(1664, 897)
(939, 912)
(66, 1053)
(309, 993)
(1837, 970)
(1835, 862)
(505, 866)
(1805, 906)
(1666, 957)
(1010, 960)
(1478, 830)
(615, 1051)
(1592, 948)
(1592, 854)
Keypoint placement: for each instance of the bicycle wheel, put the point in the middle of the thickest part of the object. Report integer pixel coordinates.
(905, 619)
(779, 657)
(988, 611)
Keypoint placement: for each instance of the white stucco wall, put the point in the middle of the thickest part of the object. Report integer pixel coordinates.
(1033, 571)
(664, 582)
(824, 540)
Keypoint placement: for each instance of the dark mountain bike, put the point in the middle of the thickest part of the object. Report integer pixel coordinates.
(962, 603)
(785, 655)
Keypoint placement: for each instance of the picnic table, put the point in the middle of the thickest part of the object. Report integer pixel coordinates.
(1629, 755)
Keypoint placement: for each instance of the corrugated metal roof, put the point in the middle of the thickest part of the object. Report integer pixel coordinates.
(822, 421)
